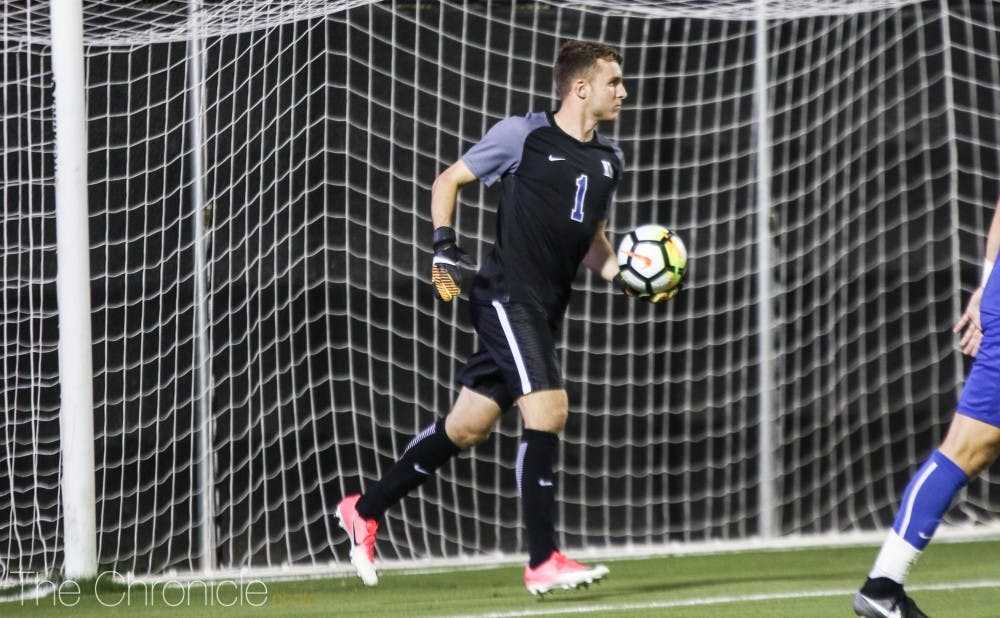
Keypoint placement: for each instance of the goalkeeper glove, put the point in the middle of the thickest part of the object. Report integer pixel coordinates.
(662, 296)
(659, 297)
(619, 282)
(448, 257)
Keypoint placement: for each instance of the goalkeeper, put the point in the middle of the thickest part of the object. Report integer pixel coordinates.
(970, 446)
(558, 176)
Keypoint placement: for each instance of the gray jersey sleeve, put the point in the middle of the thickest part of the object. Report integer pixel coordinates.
(621, 155)
(500, 150)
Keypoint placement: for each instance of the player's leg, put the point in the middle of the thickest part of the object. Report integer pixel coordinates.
(972, 444)
(521, 346)
(519, 339)
(544, 413)
(529, 343)
(470, 421)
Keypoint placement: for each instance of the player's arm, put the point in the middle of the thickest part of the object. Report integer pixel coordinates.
(448, 257)
(444, 192)
(969, 323)
(600, 258)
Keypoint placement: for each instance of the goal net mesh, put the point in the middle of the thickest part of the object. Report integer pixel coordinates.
(322, 126)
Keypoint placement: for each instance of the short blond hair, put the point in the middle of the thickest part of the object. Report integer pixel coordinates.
(578, 59)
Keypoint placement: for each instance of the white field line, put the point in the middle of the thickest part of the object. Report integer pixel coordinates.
(38, 592)
(426, 566)
(949, 534)
(719, 600)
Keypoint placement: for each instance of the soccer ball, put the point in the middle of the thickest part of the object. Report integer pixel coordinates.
(652, 259)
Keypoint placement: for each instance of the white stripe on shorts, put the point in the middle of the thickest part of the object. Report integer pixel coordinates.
(521, 371)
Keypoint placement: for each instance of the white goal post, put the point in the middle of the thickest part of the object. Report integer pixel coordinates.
(263, 338)
(75, 370)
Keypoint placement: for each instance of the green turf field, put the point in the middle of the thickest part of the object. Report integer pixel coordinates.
(951, 579)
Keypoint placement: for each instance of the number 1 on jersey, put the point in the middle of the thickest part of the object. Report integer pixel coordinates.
(581, 192)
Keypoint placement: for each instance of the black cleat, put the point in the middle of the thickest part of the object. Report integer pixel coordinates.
(894, 606)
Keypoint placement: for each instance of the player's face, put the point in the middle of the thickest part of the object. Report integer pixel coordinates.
(607, 90)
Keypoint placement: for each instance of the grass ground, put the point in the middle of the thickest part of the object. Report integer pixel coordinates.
(951, 579)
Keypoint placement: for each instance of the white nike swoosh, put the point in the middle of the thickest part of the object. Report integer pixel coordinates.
(555, 158)
(894, 613)
(420, 469)
(544, 483)
(923, 536)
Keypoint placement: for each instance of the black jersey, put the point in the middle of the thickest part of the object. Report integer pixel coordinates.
(556, 192)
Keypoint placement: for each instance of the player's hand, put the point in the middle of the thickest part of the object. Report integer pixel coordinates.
(624, 288)
(619, 282)
(970, 326)
(448, 258)
(663, 296)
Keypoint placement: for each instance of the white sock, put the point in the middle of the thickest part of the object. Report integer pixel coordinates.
(894, 559)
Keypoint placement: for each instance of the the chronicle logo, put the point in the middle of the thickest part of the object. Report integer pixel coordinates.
(111, 589)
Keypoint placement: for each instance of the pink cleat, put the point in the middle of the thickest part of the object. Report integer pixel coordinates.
(361, 532)
(561, 572)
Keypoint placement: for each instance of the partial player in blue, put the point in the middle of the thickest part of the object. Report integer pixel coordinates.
(971, 445)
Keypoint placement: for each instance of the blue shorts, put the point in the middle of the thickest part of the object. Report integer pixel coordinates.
(518, 353)
(981, 395)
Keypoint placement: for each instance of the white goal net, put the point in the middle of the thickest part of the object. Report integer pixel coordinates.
(803, 374)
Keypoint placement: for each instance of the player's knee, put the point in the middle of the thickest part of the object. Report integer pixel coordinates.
(471, 419)
(971, 460)
(546, 411)
(467, 437)
(555, 420)
(971, 444)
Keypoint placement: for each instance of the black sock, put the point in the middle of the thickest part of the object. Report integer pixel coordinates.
(536, 484)
(428, 451)
(881, 587)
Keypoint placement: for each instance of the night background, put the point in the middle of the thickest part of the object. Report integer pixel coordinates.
(327, 350)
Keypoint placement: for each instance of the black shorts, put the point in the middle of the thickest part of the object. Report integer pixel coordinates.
(517, 352)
